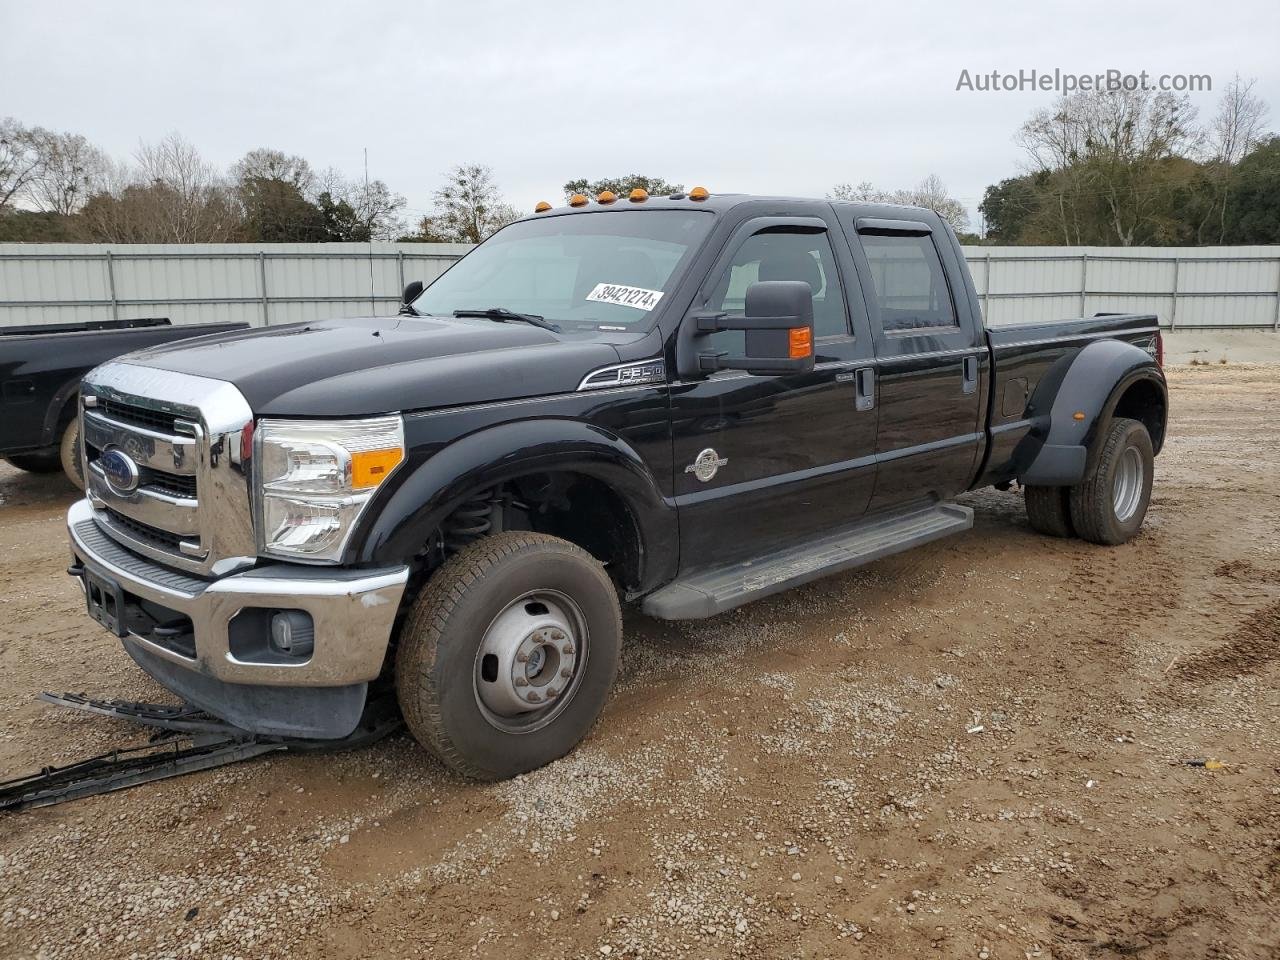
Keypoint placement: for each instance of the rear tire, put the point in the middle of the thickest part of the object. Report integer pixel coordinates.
(510, 615)
(1049, 511)
(45, 461)
(1108, 507)
(69, 454)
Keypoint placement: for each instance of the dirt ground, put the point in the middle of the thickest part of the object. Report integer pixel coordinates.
(977, 749)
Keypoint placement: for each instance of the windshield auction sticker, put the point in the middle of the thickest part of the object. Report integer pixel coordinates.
(637, 297)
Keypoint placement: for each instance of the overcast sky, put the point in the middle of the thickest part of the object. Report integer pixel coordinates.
(785, 97)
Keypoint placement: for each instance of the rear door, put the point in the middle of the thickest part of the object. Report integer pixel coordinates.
(930, 360)
(765, 461)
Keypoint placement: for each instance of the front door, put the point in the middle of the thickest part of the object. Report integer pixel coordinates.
(768, 461)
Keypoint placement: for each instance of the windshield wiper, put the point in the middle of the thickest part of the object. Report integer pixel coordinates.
(502, 315)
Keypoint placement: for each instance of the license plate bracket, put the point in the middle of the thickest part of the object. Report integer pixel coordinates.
(105, 600)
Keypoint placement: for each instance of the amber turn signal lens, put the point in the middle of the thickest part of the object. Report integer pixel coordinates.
(577, 200)
(542, 207)
(1078, 415)
(606, 196)
(370, 467)
(801, 342)
(699, 193)
(638, 196)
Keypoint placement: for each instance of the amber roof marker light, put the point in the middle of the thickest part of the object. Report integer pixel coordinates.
(542, 207)
(578, 200)
(638, 195)
(699, 193)
(606, 196)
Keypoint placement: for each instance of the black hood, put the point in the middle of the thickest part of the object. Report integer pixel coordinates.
(345, 368)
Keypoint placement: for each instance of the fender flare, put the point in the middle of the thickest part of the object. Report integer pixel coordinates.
(436, 483)
(1060, 449)
(50, 435)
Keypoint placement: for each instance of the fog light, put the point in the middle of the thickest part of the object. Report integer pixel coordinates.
(293, 633)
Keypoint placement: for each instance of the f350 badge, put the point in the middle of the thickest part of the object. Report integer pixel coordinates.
(706, 464)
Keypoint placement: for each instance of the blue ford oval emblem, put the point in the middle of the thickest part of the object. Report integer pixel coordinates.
(120, 470)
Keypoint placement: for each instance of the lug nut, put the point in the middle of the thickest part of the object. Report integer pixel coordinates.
(551, 692)
(566, 672)
(533, 696)
(522, 657)
(567, 648)
(557, 635)
(521, 682)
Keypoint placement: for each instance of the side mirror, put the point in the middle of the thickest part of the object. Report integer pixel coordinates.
(411, 291)
(779, 330)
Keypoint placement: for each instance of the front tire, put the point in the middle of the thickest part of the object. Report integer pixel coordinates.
(69, 454)
(1108, 507)
(507, 657)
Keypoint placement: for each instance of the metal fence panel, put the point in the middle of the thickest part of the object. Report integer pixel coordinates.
(1188, 287)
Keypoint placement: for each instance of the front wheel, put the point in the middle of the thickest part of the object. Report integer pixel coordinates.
(1109, 506)
(507, 657)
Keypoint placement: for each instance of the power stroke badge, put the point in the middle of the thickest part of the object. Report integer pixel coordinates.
(706, 464)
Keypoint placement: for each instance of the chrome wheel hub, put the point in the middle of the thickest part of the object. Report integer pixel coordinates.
(529, 662)
(1126, 493)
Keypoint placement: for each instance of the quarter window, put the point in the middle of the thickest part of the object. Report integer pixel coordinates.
(910, 287)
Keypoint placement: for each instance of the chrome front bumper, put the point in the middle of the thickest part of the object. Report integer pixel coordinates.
(353, 612)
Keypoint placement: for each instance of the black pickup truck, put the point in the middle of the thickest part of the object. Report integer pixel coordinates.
(40, 370)
(684, 403)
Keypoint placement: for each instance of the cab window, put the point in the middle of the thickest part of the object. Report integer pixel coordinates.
(910, 287)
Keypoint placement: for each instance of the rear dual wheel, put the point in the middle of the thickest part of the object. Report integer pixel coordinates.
(1109, 505)
(507, 657)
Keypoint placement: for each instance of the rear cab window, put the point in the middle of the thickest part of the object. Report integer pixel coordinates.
(908, 282)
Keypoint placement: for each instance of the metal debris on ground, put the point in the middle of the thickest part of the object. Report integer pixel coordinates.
(186, 740)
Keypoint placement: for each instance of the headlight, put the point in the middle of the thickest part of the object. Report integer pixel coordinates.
(315, 477)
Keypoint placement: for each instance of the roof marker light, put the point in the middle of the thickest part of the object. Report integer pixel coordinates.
(606, 196)
(542, 207)
(577, 200)
(699, 193)
(638, 195)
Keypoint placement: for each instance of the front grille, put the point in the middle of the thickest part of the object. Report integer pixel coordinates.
(145, 532)
(140, 416)
(170, 484)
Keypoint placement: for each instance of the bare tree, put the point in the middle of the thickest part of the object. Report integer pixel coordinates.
(171, 195)
(267, 164)
(19, 161)
(930, 192)
(1110, 147)
(70, 168)
(1237, 127)
(469, 206)
(375, 207)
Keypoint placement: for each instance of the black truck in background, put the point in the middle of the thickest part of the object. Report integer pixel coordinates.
(40, 370)
(683, 403)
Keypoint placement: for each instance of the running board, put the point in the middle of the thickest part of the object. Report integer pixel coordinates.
(714, 591)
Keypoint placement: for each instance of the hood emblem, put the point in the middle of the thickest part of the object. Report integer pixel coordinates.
(706, 464)
(121, 472)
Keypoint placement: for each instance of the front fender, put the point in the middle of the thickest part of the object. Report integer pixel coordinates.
(438, 482)
(1059, 449)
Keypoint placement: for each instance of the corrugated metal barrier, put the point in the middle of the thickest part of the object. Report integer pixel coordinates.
(1188, 287)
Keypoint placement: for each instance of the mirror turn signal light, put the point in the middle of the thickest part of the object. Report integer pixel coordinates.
(606, 196)
(370, 467)
(801, 342)
(699, 193)
(578, 200)
(638, 196)
(542, 207)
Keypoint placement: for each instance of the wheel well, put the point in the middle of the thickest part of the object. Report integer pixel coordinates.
(1144, 401)
(573, 506)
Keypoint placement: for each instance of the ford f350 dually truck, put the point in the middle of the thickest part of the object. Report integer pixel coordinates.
(684, 403)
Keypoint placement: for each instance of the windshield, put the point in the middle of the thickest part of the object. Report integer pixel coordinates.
(599, 271)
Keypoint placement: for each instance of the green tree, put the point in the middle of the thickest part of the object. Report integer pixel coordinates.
(1253, 205)
(1009, 206)
(656, 186)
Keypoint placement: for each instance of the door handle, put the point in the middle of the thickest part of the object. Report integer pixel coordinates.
(970, 374)
(865, 389)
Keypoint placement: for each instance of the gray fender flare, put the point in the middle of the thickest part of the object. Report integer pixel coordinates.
(1073, 405)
